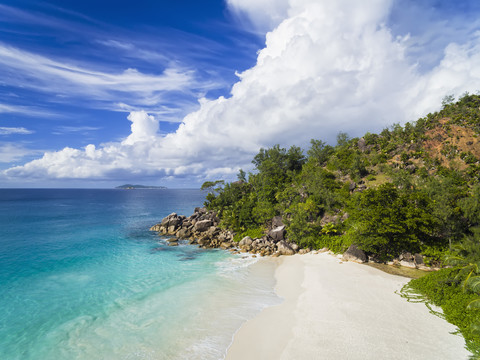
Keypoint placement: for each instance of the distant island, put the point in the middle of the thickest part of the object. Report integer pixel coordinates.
(131, 187)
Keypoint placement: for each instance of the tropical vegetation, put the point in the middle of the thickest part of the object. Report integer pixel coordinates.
(412, 188)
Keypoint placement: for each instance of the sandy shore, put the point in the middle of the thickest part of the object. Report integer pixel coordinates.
(335, 310)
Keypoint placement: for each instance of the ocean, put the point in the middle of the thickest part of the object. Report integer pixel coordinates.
(82, 277)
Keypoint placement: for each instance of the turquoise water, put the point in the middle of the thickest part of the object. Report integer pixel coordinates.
(81, 277)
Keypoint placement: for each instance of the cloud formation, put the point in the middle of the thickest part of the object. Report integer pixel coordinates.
(327, 67)
(14, 130)
(64, 79)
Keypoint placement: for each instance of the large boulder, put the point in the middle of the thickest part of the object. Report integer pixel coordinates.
(246, 241)
(277, 221)
(284, 248)
(184, 233)
(418, 258)
(203, 225)
(277, 234)
(353, 253)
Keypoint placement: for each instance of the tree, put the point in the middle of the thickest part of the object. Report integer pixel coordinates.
(386, 222)
(319, 152)
(242, 176)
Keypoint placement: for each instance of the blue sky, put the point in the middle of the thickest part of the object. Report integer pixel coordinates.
(95, 94)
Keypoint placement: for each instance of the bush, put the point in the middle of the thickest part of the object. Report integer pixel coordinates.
(442, 289)
(254, 233)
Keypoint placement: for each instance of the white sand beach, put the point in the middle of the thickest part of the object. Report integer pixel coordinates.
(343, 310)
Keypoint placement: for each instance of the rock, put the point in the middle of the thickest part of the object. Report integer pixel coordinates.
(352, 186)
(173, 243)
(172, 239)
(323, 250)
(277, 234)
(302, 251)
(246, 241)
(184, 233)
(213, 231)
(353, 253)
(171, 229)
(156, 227)
(276, 222)
(418, 259)
(406, 256)
(202, 241)
(203, 225)
(328, 218)
(362, 145)
(284, 248)
(294, 246)
(409, 264)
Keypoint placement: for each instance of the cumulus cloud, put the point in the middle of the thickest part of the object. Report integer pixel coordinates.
(264, 15)
(328, 66)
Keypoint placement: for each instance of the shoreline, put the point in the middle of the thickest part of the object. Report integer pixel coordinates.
(342, 310)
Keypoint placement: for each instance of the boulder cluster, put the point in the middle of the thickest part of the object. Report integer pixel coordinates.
(406, 259)
(202, 228)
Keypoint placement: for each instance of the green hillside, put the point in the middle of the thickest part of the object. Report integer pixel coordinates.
(412, 188)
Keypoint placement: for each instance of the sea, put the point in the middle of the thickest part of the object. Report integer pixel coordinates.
(82, 277)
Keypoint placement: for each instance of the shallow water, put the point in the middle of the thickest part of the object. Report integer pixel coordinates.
(81, 277)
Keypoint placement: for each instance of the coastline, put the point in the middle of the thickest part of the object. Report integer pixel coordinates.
(342, 310)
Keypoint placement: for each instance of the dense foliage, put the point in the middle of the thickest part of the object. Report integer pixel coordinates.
(408, 189)
(412, 188)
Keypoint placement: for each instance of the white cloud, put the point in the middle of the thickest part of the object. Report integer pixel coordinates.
(264, 15)
(25, 110)
(14, 130)
(10, 152)
(330, 66)
(103, 89)
(75, 129)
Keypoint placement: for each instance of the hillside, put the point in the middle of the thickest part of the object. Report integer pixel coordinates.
(410, 191)
(429, 170)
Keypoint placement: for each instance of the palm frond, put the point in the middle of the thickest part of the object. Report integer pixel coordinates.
(474, 304)
(474, 283)
(454, 260)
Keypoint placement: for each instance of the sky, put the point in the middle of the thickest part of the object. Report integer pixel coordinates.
(175, 93)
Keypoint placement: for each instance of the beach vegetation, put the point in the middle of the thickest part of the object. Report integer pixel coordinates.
(408, 189)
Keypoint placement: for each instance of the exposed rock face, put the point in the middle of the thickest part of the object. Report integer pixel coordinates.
(418, 258)
(247, 240)
(277, 221)
(362, 146)
(353, 253)
(201, 228)
(203, 225)
(284, 248)
(277, 234)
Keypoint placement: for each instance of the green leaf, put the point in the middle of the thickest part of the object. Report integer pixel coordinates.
(474, 304)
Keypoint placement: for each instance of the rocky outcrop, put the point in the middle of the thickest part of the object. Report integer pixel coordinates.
(202, 229)
(284, 248)
(203, 225)
(277, 234)
(353, 253)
